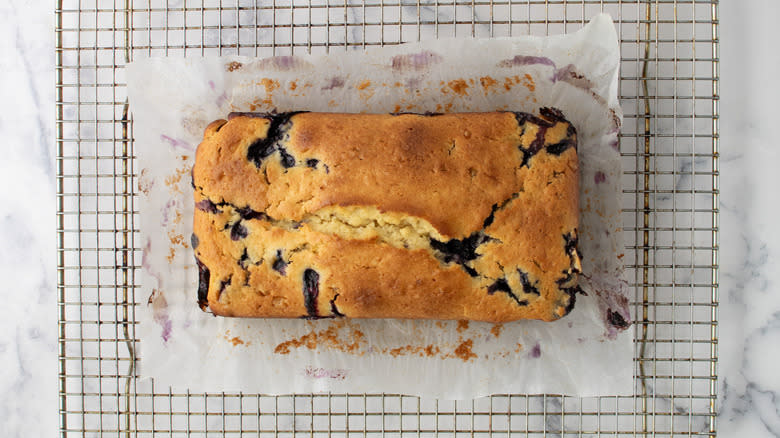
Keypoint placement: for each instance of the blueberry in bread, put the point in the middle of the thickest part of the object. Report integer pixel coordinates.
(439, 216)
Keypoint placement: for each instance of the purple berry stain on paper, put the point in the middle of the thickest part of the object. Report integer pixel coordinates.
(599, 177)
(335, 82)
(177, 143)
(325, 373)
(147, 264)
(527, 60)
(570, 75)
(221, 99)
(536, 352)
(283, 63)
(415, 61)
(160, 313)
(167, 212)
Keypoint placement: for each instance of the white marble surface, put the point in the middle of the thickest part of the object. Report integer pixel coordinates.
(28, 327)
(749, 329)
(749, 349)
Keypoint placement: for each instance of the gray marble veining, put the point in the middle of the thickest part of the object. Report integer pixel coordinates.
(749, 350)
(28, 328)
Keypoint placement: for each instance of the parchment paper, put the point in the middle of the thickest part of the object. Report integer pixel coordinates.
(585, 353)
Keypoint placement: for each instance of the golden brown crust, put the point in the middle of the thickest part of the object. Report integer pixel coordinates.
(459, 216)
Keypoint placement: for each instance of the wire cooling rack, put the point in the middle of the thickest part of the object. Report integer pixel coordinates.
(669, 92)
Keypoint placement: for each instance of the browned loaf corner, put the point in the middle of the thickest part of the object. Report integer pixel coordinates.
(456, 216)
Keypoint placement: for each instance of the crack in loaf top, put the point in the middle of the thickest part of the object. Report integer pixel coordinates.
(451, 170)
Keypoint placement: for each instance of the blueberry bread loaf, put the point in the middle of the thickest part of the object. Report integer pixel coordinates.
(458, 216)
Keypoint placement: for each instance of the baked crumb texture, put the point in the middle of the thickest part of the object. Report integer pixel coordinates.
(439, 216)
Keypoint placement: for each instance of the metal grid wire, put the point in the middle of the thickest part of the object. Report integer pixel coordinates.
(669, 92)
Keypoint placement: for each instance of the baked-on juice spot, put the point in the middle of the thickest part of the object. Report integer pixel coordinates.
(249, 214)
(194, 241)
(496, 207)
(489, 220)
(333, 308)
(460, 251)
(224, 284)
(616, 319)
(572, 292)
(571, 246)
(287, 160)
(238, 231)
(204, 275)
(538, 142)
(526, 283)
(262, 148)
(244, 258)
(553, 114)
(279, 264)
(551, 117)
(560, 147)
(311, 289)
(501, 285)
(571, 249)
(207, 206)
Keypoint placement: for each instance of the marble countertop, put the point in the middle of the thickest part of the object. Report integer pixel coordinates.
(28, 328)
(749, 312)
(749, 329)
